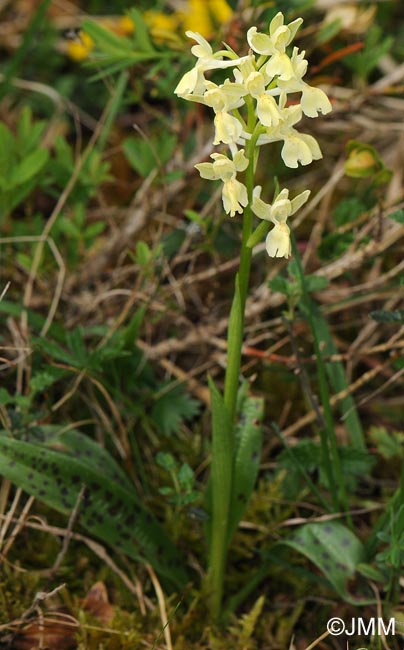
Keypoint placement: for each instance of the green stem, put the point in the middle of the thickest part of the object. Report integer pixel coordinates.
(221, 489)
(223, 439)
(236, 322)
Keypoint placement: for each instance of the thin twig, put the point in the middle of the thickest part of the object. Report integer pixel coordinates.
(68, 536)
(99, 550)
(162, 606)
(19, 525)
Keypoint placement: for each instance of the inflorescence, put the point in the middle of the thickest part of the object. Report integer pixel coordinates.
(258, 90)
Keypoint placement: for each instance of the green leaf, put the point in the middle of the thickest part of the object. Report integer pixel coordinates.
(280, 284)
(366, 60)
(55, 351)
(140, 155)
(42, 381)
(172, 407)
(398, 216)
(399, 524)
(146, 154)
(306, 455)
(335, 550)
(76, 444)
(172, 241)
(64, 154)
(69, 228)
(371, 572)
(143, 253)
(389, 444)
(166, 491)
(131, 332)
(55, 472)
(93, 230)
(76, 343)
(381, 316)
(29, 167)
(312, 282)
(29, 133)
(119, 62)
(141, 35)
(234, 343)
(186, 477)
(7, 151)
(106, 40)
(195, 217)
(248, 437)
(316, 283)
(5, 397)
(166, 461)
(328, 30)
(24, 260)
(219, 493)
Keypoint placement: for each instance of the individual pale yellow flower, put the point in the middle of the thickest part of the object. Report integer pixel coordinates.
(313, 100)
(193, 81)
(278, 239)
(298, 147)
(267, 108)
(223, 99)
(279, 37)
(234, 193)
(274, 45)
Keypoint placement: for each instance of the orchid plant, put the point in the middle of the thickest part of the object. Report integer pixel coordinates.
(251, 108)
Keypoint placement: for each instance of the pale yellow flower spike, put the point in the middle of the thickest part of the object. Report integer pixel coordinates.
(251, 109)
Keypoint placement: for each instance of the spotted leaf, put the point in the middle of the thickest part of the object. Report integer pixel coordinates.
(335, 550)
(110, 509)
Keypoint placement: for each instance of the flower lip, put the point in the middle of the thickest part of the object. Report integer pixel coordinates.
(278, 241)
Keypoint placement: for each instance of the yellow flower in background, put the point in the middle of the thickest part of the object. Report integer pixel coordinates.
(163, 27)
(201, 15)
(204, 15)
(79, 48)
(124, 26)
(221, 11)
